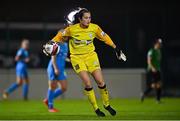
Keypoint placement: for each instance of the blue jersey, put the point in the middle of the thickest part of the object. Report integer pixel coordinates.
(60, 62)
(21, 66)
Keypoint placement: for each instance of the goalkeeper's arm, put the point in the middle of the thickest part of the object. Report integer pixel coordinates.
(104, 37)
(62, 35)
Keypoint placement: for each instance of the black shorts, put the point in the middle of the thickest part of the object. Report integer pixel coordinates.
(153, 77)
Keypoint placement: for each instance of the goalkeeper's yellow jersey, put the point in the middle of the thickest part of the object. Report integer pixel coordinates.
(81, 39)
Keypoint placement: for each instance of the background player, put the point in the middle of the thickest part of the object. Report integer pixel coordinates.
(22, 58)
(154, 71)
(84, 58)
(57, 76)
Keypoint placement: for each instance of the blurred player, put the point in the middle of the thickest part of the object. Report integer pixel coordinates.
(154, 71)
(83, 57)
(57, 76)
(22, 58)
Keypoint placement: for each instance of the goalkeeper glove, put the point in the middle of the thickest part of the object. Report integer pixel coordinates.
(119, 54)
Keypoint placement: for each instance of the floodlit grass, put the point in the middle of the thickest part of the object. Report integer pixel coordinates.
(131, 109)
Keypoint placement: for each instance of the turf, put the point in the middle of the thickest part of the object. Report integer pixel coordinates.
(130, 109)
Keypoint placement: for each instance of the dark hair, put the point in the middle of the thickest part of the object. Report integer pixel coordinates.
(157, 40)
(80, 15)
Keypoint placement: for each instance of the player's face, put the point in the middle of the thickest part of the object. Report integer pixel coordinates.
(86, 19)
(158, 45)
(25, 44)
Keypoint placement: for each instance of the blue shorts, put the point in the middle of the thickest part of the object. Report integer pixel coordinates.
(52, 77)
(21, 72)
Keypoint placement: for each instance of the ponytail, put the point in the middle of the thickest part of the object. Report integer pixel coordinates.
(74, 16)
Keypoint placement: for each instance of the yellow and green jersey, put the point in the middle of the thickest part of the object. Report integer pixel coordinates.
(81, 39)
(155, 55)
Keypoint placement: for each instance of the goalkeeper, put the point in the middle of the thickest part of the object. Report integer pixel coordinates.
(83, 57)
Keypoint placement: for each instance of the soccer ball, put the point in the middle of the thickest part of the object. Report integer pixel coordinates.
(51, 49)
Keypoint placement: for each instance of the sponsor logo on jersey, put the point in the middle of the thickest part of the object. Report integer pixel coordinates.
(86, 42)
(77, 41)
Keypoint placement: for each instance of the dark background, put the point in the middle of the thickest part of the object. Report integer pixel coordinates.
(132, 25)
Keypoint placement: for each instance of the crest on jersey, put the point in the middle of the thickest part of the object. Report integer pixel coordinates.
(90, 35)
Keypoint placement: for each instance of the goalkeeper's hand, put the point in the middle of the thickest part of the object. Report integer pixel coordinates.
(119, 54)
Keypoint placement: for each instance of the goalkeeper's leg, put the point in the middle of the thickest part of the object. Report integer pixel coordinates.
(89, 92)
(97, 74)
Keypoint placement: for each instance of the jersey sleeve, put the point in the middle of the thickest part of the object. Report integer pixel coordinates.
(19, 52)
(101, 35)
(61, 35)
(150, 52)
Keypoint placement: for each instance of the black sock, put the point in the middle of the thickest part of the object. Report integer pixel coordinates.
(158, 94)
(88, 89)
(103, 87)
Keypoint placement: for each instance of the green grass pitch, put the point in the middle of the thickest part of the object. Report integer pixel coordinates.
(70, 109)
